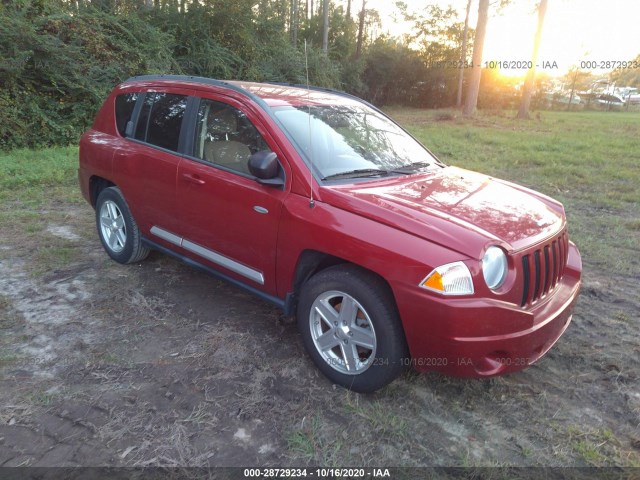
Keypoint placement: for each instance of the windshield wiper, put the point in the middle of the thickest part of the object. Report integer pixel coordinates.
(412, 167)
(361, 172)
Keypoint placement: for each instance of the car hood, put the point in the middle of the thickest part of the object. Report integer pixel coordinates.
(456, 208)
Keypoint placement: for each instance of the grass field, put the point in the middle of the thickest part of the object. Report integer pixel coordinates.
(157, 364)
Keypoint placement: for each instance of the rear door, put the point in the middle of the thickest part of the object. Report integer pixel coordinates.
(148, 163)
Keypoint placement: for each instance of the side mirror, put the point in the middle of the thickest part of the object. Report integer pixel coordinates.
(265, 167)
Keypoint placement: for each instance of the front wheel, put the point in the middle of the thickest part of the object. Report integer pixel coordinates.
(350, 326)
(117, 228)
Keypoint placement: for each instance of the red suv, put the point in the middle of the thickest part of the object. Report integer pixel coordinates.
(319, 203)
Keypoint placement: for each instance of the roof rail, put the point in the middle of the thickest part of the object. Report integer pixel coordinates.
(340, 93)
(183, 78)
(247, 93)
(203, 80)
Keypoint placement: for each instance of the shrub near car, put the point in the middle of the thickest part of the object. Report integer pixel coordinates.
(319, 203)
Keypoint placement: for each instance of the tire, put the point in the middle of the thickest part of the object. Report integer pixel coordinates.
(117, 229)
(362, 349)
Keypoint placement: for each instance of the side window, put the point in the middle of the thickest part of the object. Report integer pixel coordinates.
(226, 137)
(160, 119)
(125, 104)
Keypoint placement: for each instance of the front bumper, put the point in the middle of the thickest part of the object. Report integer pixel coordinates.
(476, 337)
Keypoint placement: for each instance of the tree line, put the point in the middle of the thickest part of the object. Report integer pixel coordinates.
(60, 58)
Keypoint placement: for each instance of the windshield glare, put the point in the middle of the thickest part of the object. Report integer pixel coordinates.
(350, 138)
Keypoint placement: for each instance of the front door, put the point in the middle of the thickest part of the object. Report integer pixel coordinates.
(227, 218)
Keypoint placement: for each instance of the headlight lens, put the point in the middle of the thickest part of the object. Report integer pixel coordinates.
(494, 267)
(450, 279)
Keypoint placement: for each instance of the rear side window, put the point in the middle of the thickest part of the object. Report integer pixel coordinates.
(125, 104)
(160, 119)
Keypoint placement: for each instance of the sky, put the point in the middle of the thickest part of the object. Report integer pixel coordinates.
(575, 31)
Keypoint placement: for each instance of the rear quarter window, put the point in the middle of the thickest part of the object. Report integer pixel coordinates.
(125, 104)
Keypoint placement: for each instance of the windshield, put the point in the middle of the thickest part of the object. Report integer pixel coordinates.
(352, 141)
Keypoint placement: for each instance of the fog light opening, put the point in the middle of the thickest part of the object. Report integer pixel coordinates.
(492, 364)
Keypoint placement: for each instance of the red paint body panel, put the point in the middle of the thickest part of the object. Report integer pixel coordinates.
(450, 201)
(220, 215)
(399, 227)
(481, 337)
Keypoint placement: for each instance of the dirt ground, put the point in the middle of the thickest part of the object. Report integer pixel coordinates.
(157, 364)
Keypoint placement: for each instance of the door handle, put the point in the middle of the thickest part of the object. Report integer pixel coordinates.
(193, 179)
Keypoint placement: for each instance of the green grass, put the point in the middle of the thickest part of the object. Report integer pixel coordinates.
(52, 257)
(595, 447)
(377, 415)
(42, 398)
(7, 359)
(30, 178)
(28, 168)
(36, 187)
(306, 442)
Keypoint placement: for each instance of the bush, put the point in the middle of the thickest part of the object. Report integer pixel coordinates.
(58, 68)
(59, 60)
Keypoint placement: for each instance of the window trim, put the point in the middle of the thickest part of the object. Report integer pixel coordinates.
(146, 127)
(189, 121)
(136, 114)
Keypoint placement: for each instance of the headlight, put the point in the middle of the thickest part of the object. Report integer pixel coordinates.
(450, 279)
(494, 267)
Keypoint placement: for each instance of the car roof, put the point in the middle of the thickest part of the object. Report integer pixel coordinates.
(272, 94)
(280, 94)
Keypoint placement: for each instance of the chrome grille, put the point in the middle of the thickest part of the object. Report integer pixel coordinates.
(542, 269)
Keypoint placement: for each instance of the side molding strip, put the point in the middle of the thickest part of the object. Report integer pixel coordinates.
(210, 255)
(286, 305)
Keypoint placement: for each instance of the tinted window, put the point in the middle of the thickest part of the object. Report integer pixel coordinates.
(160, 119)
(124, 109)
(226, 137)
(166, 119)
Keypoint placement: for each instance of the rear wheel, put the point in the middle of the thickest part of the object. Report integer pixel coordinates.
(351, 328)
(117, 229)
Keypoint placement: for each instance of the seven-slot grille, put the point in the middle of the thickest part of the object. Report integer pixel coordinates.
(543, 268)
